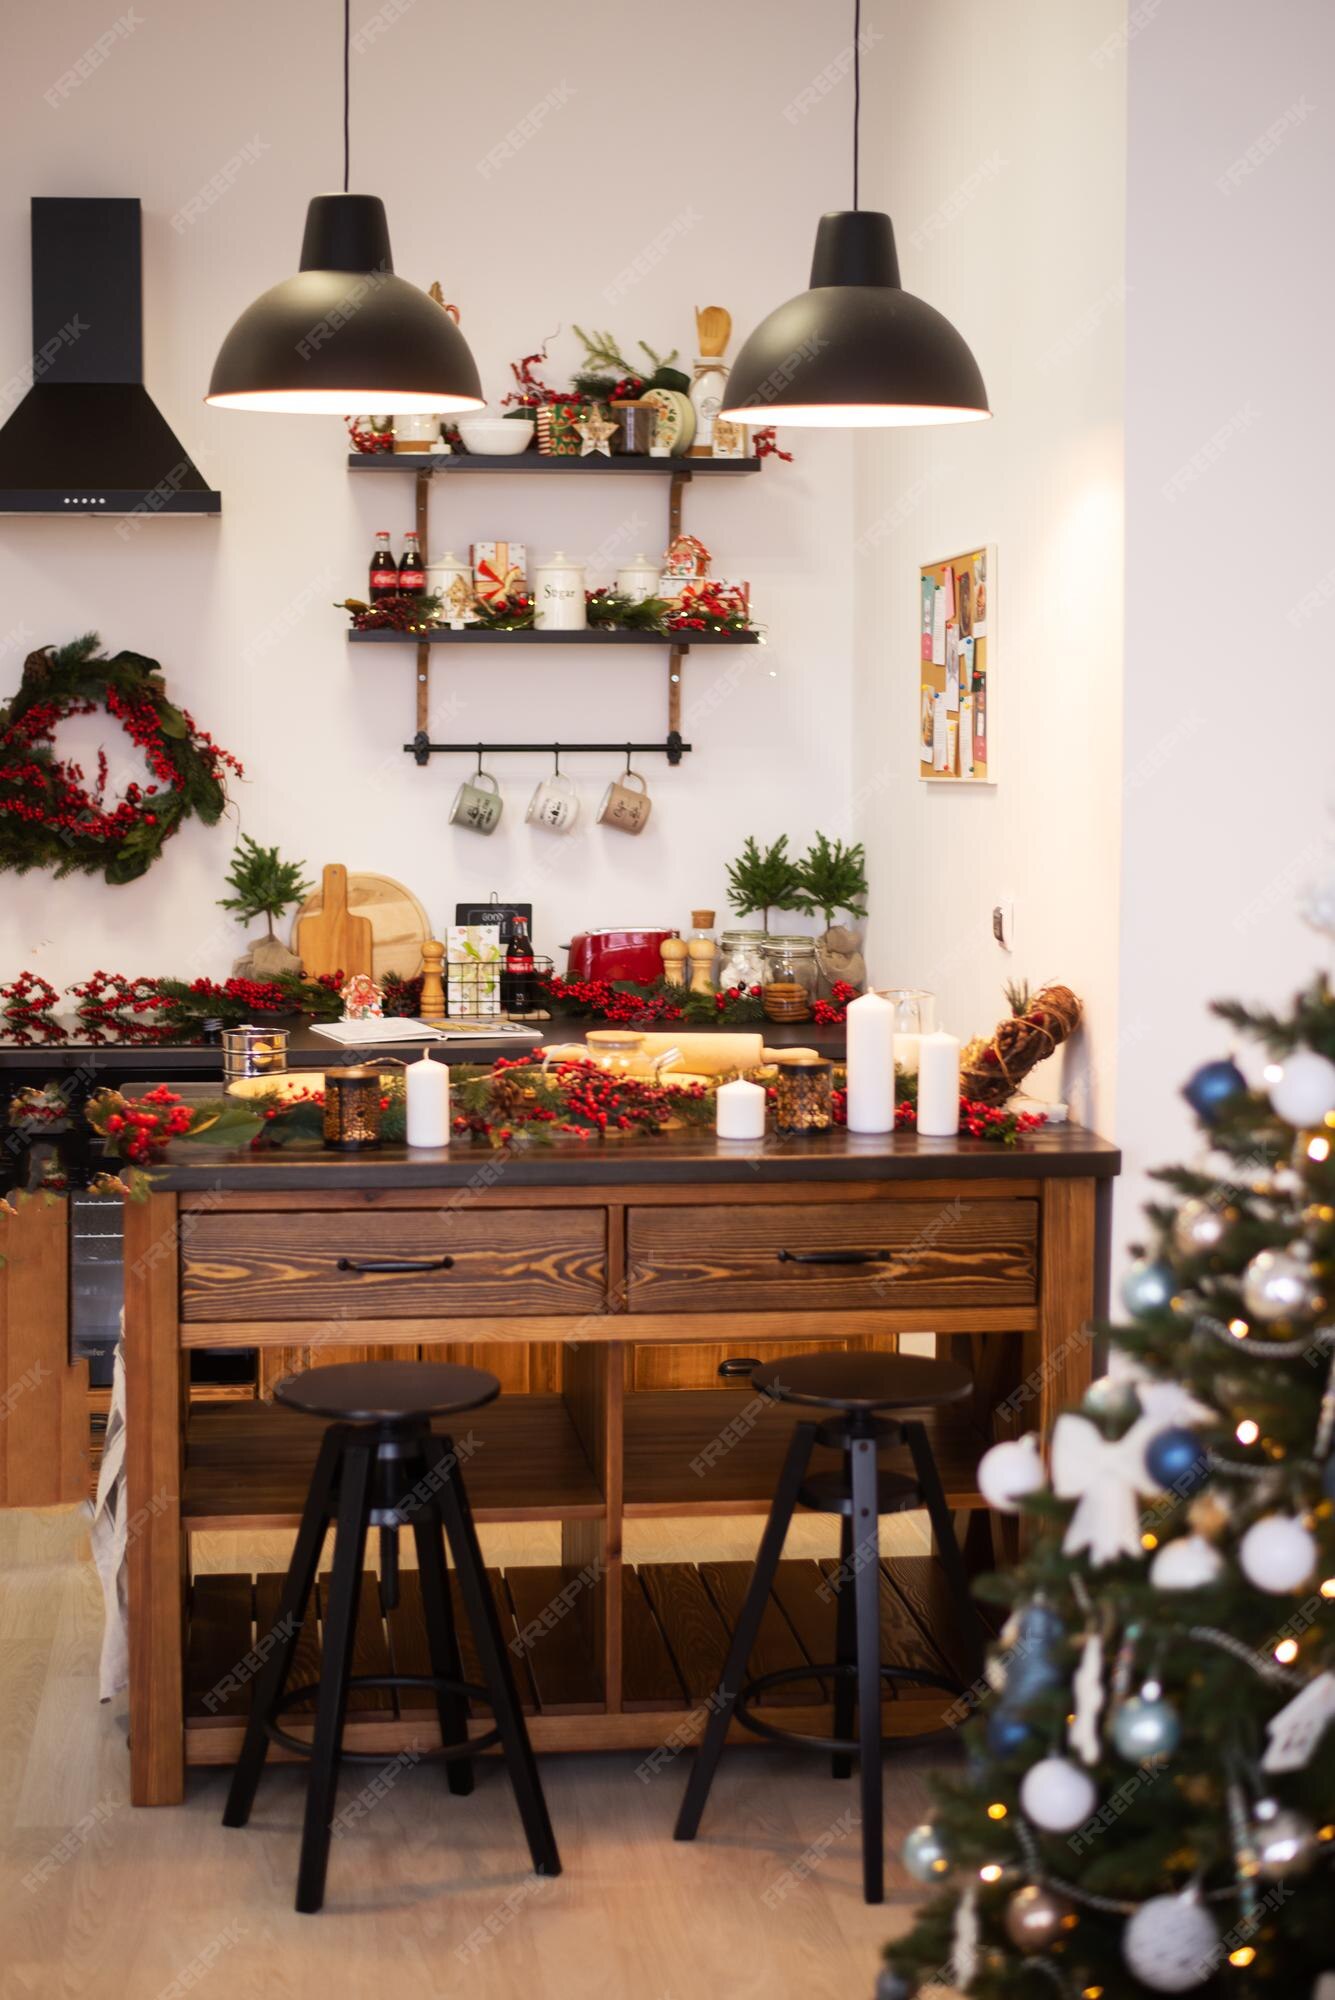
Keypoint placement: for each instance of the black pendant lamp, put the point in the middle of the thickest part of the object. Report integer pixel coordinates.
(855, 350)
(345, 334)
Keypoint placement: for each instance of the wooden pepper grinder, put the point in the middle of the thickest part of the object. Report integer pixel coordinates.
(433, 986)
(673, 951)
(701, 950)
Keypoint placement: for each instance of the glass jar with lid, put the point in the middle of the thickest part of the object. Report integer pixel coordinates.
(742, 958)
(620, 1051)
(790, 978)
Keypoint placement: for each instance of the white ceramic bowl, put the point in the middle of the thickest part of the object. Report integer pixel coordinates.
(495, 437)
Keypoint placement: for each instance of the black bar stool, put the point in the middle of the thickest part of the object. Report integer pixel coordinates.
(861, 1389)
(380, 1465)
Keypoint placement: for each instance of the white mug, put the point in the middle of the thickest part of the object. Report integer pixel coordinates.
(555, 804)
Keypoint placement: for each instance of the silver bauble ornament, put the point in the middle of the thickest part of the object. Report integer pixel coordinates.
(1171, 1944)
(1285, 1842)
(1189, 1563)
(1036, 1918)
(1303, 1091)
(1057, 1795)
(1111, 1396)
(1278, 1284)
(1277, 1554)
(925, 1854)
(1201, 1227)
(1146, 1726)
(1147, 1287)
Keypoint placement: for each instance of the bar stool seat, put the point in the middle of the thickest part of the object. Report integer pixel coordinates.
(381, 1465)
(869, 1400)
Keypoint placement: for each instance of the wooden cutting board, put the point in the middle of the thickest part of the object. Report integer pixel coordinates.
(333, 939)
(399, 924)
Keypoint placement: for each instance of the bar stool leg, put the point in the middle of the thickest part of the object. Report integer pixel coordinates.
(867, 1591)
(443, 1642)
(272, 1678)
(340, 1628)
(845, 1649)
(747, 1629)
(457, 1516)
(947, 1546)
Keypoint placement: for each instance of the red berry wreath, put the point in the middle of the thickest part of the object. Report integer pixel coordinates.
(51, 816)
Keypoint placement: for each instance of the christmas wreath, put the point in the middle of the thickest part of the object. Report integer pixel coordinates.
(51, 815)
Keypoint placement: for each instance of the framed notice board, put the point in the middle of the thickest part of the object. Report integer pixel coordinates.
(957, 651)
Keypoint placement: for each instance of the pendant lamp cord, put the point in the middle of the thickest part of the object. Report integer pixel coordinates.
(857, 90)
(347, 90)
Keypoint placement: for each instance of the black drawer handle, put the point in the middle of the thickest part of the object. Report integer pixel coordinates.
(834, 1256)
(740, 1364)
(363, 1266)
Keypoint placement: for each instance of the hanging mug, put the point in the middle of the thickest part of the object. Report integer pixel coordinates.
(555, 804)
(474, 806)
(623, 808)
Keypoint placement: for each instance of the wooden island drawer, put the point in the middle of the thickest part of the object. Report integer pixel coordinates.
(311, 1264)
(763, 1257)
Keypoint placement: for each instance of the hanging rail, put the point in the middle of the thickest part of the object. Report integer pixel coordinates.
(422, 748)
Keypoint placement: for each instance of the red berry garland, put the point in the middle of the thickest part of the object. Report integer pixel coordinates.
(51, 816)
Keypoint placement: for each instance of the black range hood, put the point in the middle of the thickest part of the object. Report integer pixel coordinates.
(88, 438)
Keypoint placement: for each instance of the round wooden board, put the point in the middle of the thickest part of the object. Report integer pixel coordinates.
(398, 922)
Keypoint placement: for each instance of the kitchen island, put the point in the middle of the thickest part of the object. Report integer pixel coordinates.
(599, 1253)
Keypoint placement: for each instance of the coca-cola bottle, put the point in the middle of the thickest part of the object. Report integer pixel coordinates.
(519, 989)
(412, 575)
(384, 569)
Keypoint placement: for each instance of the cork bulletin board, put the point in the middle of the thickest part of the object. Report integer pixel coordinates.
(957, 650)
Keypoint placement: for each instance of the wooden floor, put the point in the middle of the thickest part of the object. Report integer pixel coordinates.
(428, 1894)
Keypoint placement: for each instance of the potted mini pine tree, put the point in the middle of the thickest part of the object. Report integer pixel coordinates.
(832, 878)
(264, 886)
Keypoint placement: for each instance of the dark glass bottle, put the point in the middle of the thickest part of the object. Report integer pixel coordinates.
(519, 986)
(412, 576)
(384, 569)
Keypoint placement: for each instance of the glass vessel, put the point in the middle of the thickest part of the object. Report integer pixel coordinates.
(804, 1094)
(352, 1108)
(915, 1016)
(790, 978)
(742, 958)
(620, 1051)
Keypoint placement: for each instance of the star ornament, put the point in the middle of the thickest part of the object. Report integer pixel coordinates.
(596, 434)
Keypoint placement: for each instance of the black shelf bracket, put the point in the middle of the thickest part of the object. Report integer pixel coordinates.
(422, 749)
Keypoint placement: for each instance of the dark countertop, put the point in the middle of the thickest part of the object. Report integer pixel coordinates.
(111, 1062)
(1062, 1151)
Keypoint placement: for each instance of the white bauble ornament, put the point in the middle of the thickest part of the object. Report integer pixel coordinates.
(1277, 1553)
(1189, 1563)
(1171, 1944)
(1006, 1472)
(1057, 1795)
(1200, 1227)
(1304, 1090)
(1278, 1284)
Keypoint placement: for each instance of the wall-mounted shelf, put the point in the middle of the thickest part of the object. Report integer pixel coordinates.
(424, 465)
(442, 635)
(536, 461)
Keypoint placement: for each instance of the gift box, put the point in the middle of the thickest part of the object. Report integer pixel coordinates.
(473, 961)
(558, 429)
(722, 597)
(499, 570)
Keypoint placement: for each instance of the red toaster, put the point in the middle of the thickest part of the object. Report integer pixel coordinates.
(626, 951)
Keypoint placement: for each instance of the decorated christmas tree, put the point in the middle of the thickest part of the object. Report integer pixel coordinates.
(1147, 1801)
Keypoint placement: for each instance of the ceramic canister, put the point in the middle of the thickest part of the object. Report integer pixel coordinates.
(441, 573)
(638, 579)
(558, 595)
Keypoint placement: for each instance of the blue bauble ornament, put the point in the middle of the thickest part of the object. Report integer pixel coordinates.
(1007, 1732)
(892, 1985)
(1211, 1086)
(1146, 1727)
(1176, 1460)
(1147, 1287)
(1039, 1625)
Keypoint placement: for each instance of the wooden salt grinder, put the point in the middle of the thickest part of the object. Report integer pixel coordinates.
(674, 961)
(433, 987)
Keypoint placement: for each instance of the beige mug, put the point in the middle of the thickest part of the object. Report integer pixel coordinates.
(623, 808)
(473, 806)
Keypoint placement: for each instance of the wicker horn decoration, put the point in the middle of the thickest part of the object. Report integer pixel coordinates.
(992, 1071)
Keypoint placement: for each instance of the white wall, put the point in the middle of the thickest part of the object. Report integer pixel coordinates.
(238, 611)
(994, 135)
(1230, 437)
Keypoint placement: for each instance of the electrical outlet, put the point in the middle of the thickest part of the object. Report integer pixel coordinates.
(1003, 925)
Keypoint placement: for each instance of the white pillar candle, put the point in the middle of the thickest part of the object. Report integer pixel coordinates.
(871, 1064)
(428, 1086)
(938, 1086)
(739, 1110)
